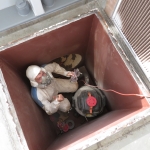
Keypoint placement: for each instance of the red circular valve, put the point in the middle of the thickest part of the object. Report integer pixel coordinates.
(91, 101)
(65, 128)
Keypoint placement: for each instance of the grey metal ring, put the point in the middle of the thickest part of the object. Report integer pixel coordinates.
(70, 123)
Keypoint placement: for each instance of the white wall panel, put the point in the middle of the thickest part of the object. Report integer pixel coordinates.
(6, 3)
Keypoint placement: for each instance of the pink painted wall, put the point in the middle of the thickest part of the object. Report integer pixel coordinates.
(35, 124)
(97, 126)
(109, 70)
(72, 38)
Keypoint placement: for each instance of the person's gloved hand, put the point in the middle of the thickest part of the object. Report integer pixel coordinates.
(70, 74)
(75, 75)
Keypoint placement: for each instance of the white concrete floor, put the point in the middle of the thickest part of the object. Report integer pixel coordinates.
(137, 139)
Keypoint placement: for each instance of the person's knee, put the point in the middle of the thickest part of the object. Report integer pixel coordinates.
(65, 105)
(74, 87)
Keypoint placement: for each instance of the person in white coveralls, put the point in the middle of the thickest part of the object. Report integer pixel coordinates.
(46, 89)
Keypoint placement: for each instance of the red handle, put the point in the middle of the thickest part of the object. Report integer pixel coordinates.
(91, 101)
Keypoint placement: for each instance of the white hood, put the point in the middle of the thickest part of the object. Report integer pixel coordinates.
(31, 72)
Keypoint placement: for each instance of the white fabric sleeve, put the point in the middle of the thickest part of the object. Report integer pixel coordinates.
(50, 107)
(65, 105)
(56, 68)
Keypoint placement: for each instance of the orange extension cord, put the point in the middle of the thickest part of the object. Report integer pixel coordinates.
(110, 90)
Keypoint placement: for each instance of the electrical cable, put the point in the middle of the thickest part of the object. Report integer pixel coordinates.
(110, 90)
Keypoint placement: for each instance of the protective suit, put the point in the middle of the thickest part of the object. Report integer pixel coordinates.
(45, 94)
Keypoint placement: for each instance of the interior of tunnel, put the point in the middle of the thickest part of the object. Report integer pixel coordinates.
(89, 38)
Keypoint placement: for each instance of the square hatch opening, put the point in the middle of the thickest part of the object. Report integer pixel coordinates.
(89, 38)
